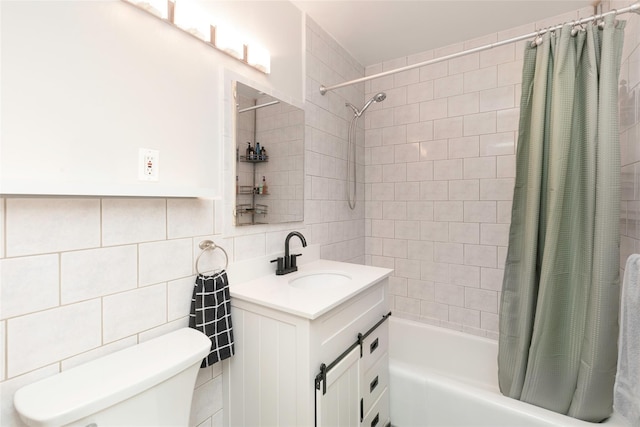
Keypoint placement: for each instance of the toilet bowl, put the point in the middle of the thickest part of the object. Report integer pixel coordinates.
(149, 384)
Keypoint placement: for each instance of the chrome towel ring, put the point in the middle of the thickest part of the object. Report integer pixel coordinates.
(206, 245)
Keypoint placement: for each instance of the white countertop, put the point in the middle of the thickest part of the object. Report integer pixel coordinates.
(275, 291)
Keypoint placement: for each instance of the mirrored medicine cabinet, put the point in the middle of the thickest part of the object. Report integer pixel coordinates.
(269, 150)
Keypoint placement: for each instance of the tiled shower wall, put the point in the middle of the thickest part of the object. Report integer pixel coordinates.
(83, 277)
(440, 168)
(629, 109)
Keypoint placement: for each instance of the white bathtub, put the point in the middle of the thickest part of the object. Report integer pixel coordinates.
(440, 377)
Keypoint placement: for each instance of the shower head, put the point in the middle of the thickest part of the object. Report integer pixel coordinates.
(378, 97)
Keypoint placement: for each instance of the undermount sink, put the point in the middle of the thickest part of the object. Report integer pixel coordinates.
(318, 280)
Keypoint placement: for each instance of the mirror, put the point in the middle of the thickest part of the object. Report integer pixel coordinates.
(269, 170)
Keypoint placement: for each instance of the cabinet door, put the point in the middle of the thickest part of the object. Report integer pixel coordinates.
(340, 405)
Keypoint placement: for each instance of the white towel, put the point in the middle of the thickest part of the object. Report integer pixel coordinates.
(626, 391)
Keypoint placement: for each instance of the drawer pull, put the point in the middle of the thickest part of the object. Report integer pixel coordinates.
(374, 422)
(373, 346)
(373, 384)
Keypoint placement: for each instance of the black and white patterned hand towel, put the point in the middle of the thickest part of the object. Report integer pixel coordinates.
(211, 315)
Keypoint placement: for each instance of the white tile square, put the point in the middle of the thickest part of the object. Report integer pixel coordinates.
(407, 305)
(464, 232)
(497, 189)
(444, 211)
(434, 150)
(383, 228)
(431, 110)
(497, 144)
(373, 173)
(409, 230)
(448, 86)
(179, 297)
(1, 227)
(507, 120)
(408, 268)
(420, 210)
(189, 217)
(467, 146)
(461, 105)
(418, 132)
(394, 173)
(434, 231)
(406, 114)
(480, 124)
(97, 272)
(464, 317)
(434, 71)
(491, 278)
(420, 171)
(434, 190)
(465, 275)
(2, 364)
(407, 153)
(382, 155)
(506, 167)
(165, 260)
(480, 211)
(481, 299)
(464, 63)
(29, 284)
(468, 189)
(444, 170)
(451, 253)
(434, 310)
(421, 289)
(510, 73)
(98, 352)
(394, 210)
(133, 220)
(394, 248)
(406, 191)
(498, 55)
(43, 225)
(434, 272)
(419, 92)
(494, 234)
(452, 295)
(394, 135)
(448, 128)
(480, 255)
(249, 246)
(477, 80)
(132, 312)
(46, 337)
(481, 167)
(420, 250)
(500, 98)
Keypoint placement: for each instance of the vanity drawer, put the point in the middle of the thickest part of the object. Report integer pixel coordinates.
(374, 382)
(379, 414)
(375, 345)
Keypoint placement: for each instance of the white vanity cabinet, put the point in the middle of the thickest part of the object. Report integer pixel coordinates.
(271, 378)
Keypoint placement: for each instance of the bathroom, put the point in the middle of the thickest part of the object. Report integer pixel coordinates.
(451, 125)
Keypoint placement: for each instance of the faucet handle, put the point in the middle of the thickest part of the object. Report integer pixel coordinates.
(279, 265)
(293, 260)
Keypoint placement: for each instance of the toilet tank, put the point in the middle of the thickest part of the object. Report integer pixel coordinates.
(149, 384)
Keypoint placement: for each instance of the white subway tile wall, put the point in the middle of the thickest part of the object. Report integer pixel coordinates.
(629, 114)
(444, 224)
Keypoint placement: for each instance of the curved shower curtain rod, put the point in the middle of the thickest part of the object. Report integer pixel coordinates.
(635, 8)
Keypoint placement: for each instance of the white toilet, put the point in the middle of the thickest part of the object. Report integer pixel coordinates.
(150, 384)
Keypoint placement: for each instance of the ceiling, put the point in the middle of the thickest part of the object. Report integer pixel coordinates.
(373, 31)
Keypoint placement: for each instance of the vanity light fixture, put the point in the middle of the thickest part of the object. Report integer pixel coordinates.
(190, 18)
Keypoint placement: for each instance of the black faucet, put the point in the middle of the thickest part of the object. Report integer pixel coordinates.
(288, 263)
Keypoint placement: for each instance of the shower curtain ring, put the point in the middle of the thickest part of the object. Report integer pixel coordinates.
(537, 41)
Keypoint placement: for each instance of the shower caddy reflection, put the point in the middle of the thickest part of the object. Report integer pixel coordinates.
(253, 211)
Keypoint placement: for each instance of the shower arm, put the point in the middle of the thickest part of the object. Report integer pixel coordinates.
(634, 8)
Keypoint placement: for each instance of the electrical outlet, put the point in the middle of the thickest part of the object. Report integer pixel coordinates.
(149, 164)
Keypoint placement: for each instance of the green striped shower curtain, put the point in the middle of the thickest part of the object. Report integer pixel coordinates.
(559, 306)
